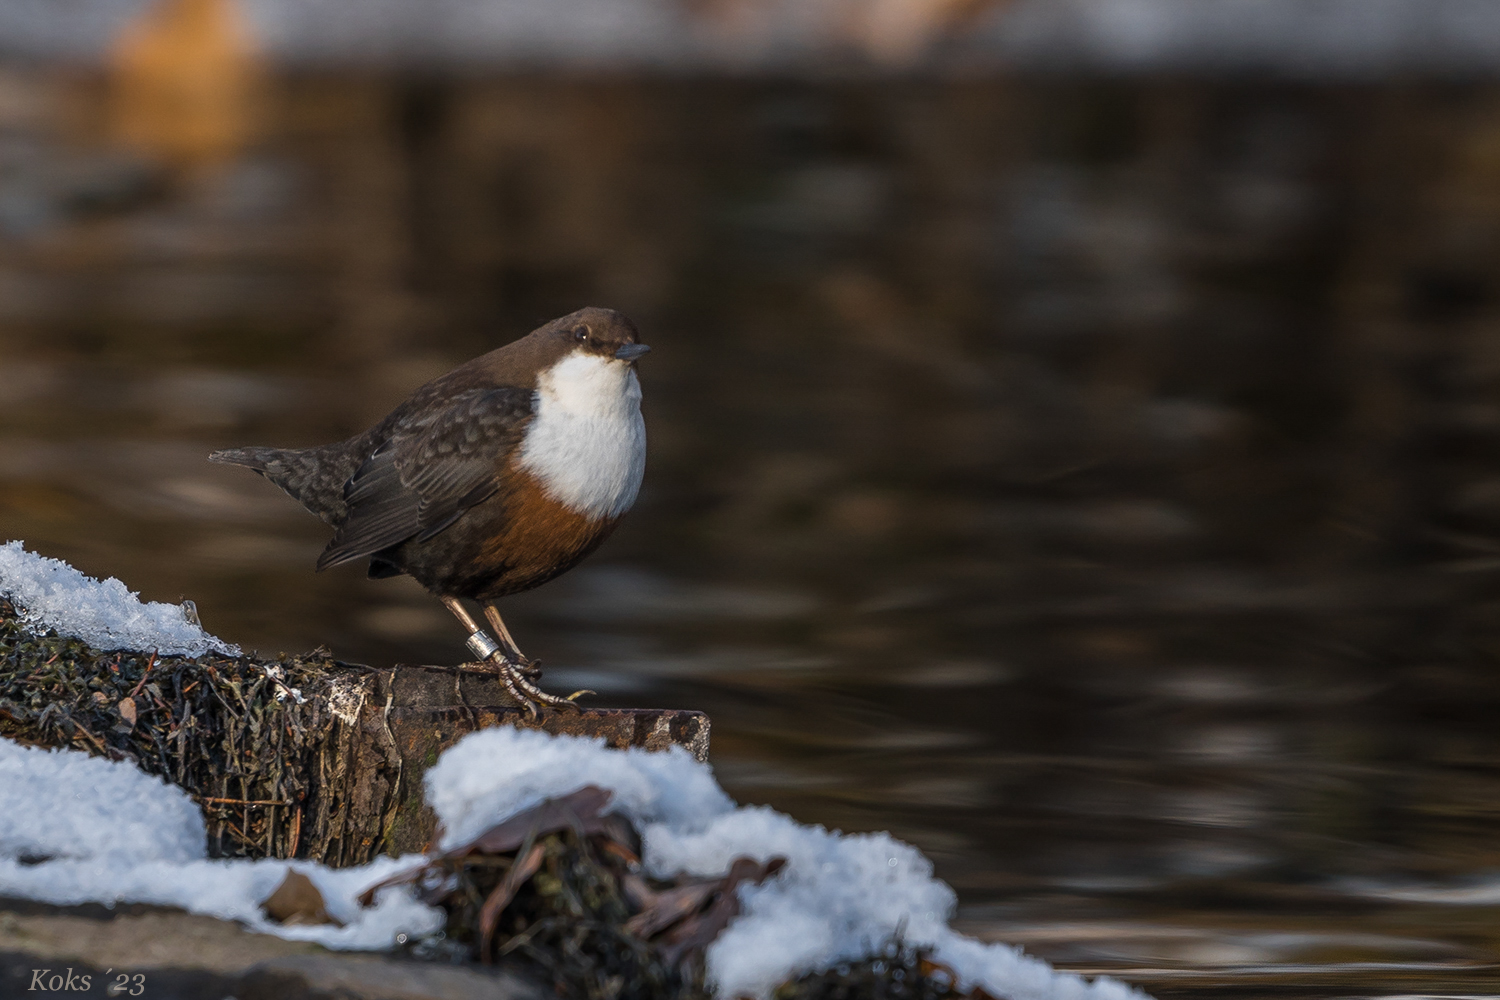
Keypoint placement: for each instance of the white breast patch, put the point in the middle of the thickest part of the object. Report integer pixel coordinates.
(587, 442)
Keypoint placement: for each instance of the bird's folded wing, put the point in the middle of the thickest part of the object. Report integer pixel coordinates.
(428, 472)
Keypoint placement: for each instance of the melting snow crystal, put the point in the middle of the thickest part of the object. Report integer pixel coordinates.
(103, 613)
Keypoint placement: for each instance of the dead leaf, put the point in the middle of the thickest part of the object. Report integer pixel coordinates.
(639, 894)
(697, 932)
(297, 901)
(621, 839)
(489, 914)
(671, 905)
(127, 710)
(578, 810)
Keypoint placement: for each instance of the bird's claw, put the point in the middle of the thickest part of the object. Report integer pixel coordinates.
(518, 678)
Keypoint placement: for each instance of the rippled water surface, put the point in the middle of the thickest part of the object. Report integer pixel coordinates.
(1095, 484)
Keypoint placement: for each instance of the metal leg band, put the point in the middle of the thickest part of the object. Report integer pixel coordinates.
(482, 646)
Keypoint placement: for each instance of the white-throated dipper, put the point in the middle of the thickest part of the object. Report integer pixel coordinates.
(489, 480)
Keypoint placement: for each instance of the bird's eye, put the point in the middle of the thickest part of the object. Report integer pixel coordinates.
(580, 333)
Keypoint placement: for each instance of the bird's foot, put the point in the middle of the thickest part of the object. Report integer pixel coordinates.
(518, 677)
(518, 674)
(529, 669)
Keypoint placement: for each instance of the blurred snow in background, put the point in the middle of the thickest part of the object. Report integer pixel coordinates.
(1300, 37)
(1297, 37)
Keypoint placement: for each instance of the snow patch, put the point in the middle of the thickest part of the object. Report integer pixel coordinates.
(114, 834)
(346, 699)
(64, 804)
(490, 775)
(840, 897)
(233, 890)
(107, 615)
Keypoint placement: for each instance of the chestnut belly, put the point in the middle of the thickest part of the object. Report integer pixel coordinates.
(517, 539)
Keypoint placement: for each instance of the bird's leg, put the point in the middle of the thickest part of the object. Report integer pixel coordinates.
(533, 671)
(512, 675)
(480, 644)
(486, 649)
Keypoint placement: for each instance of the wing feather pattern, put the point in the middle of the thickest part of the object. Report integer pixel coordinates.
(428, 471)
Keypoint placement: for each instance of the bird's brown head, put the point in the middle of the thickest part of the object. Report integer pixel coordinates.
(588, 333)
(604, 332)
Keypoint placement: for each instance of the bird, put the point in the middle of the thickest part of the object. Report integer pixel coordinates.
(487, 481)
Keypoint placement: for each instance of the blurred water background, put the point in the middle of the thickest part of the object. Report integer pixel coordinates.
(1073, 425)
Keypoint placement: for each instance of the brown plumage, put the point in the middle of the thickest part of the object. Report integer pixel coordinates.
(489, 480)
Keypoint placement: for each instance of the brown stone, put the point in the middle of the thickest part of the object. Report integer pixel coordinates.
(178, 954)
(297, 901)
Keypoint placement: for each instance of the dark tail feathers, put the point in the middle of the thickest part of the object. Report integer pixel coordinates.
(314, 477)
(258, 459)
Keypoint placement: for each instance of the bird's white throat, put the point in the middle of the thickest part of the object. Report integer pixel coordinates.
(587, 442)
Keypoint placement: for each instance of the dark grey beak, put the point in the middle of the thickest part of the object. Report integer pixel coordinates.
(631, 351)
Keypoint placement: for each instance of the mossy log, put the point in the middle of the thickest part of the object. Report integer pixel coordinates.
(301, 756)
